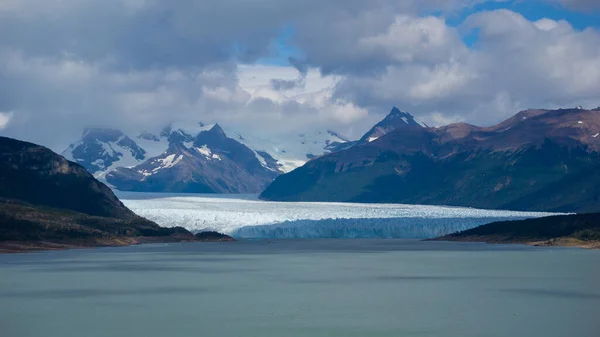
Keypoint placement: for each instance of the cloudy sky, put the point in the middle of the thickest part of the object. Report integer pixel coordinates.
(275, 66)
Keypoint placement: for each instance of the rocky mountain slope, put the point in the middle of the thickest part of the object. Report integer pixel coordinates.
(44, 197)
(196, 158)
(101, 150)
(209, 163)
(538, 160)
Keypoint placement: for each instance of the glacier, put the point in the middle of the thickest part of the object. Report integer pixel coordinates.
(386, 228)
(245, 217)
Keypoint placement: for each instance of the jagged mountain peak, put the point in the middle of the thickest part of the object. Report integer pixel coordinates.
(212, 136)
(100, 149)
(217, 129)
(396, 111)
(396, 119)
(179, 136)
(405, 117)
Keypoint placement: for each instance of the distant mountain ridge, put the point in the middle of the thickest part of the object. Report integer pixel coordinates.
(209, 163)
(101, 148)
(196, 158)
(538, 160)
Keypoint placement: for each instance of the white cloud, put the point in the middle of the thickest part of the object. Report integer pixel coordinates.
(439, 119)
(412, 39)
(546, 24)
(158, 61)
(75, 94)
(253, 77)
(516, 64)
(5, 119)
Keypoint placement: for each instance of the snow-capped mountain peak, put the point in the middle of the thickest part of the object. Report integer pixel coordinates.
(101, 150)
(405, 117)
(217, 130)
(396, 119)
(191, 145)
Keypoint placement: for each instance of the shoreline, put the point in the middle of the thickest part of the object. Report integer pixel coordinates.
(17, 247)
(20, 247)
(493, 240)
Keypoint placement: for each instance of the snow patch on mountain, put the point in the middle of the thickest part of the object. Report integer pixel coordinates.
(168, 162)
(126, 159)
(204, 150)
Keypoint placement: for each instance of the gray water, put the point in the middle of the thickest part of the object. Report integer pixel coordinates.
(302, 288)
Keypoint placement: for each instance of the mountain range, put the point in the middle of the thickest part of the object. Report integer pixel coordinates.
(196, 159)
(537, 160)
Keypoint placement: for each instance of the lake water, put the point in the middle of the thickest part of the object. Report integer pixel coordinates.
(309, 288)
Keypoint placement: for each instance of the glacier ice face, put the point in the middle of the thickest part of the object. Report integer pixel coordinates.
(388, 228)
(246, 217)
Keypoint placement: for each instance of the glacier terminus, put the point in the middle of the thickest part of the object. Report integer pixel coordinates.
(243, 216)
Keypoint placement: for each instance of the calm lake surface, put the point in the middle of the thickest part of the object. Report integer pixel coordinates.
(302, 288)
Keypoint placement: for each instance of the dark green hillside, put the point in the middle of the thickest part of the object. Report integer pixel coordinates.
(47, 202)
(571, 230)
